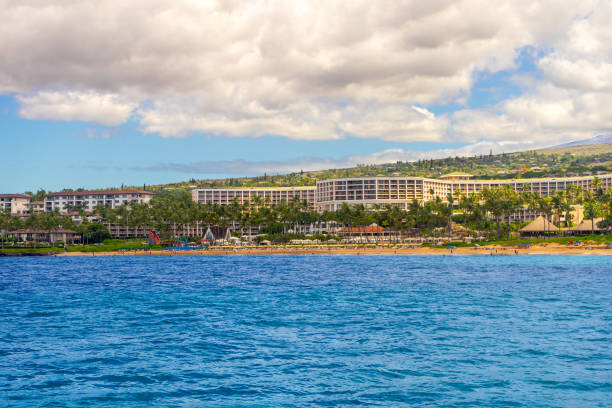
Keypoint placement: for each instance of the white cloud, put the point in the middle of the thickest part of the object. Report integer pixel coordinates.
(104, 109)
(394, 123)
(309, 121)
(572, 100)
(308, 69)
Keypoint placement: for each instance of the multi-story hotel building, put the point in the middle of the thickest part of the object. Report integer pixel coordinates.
(400, 191)
(89, 200)
(14, 203)
(271, 195)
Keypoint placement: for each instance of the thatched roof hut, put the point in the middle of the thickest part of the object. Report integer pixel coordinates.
(539, 226)
(587, 226)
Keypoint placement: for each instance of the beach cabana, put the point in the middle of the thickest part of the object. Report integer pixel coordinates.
(588, 226)
(539, 226)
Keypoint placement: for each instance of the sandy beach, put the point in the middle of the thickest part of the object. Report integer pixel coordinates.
(483, 251)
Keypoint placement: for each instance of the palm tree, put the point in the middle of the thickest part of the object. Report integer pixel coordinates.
(607, 208)
(592, 209)
(450, 198)
(500, 202)
(597, 187)
(545, 206)
(557, 204)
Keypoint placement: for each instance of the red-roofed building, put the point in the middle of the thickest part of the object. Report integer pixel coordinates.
(376, 232)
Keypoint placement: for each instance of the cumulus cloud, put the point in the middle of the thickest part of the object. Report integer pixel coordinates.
(104, 109)
(308, 69)
(297, 120)
(572, 99)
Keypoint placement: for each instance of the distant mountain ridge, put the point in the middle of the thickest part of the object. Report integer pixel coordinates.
(599, 139)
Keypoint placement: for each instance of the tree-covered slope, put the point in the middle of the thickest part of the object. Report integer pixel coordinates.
(554, 162)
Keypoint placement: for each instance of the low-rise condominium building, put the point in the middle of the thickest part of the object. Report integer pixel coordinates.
(35, 206)
(14, 203)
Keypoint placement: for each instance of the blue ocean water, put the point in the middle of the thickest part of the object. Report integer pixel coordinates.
(304, 331)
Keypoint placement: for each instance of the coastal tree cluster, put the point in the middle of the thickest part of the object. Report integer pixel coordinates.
(487, 213)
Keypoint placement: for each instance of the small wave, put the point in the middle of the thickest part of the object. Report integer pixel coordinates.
(575, 385)
(535, 352)
(32, 315)
(52, 384)
(106, 360)
(125, 379)
(407, 397)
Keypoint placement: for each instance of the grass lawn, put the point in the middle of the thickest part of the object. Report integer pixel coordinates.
(13, 251)
(106, 246)
(110, 245)
(585, 239)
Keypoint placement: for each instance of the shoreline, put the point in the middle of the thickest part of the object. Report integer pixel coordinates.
(499, 251)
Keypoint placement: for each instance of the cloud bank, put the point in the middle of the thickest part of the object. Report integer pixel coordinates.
(311, 70)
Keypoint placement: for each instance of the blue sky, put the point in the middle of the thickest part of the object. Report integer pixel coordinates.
(58, 154)
(69, 154)
(177, 102)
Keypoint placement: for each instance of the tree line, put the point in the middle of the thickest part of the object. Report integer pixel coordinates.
(172, 213)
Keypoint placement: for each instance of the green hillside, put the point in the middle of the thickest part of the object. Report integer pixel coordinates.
(586, 150)
(553, 162)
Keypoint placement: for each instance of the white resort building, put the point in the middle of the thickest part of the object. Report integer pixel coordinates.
(89, 200)
(268, 195)
(401, 191)
(329, 195)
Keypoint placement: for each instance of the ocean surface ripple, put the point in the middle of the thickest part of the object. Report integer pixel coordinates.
(303, 331)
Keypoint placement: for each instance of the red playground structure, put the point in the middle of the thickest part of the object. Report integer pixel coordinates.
(154, 238)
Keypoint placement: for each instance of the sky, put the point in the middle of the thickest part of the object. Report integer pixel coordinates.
(97, 94)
